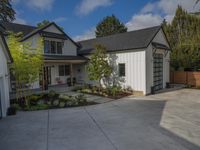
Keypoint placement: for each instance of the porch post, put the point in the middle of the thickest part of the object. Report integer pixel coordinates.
(71, 74)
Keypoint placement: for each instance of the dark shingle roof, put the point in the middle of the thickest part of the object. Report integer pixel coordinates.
(123, 41)
(16, 28)
(53, 35)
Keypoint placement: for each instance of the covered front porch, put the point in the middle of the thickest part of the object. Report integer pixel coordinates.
(62, 70)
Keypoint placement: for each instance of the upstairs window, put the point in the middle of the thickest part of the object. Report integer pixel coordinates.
(122, 70)
(46, 47)
(59, 47)
(53, 47)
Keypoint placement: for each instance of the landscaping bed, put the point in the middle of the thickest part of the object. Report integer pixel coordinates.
(50, 100)
(114, 92)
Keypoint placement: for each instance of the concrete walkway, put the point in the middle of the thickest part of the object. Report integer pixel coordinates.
(167, 121)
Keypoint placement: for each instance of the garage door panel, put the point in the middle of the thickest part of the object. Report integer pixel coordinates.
(158, 72)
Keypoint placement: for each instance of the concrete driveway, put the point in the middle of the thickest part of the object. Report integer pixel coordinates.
(168, 121)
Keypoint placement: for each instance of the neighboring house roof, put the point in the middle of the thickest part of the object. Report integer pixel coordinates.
(2, 30)
(62, 57)
(16, 28)
(123, 41)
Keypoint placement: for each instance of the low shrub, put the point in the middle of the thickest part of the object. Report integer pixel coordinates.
(81, 99)
(33, 99)
(37, 107)
(77, 88)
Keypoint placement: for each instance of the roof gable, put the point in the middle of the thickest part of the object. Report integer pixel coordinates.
(124, 41)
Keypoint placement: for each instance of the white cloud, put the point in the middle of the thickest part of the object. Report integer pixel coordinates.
(154, 13)
(60, 19)
(87, 6)
(36, 4)
(148, 8)
(140, 21)
(89, 34)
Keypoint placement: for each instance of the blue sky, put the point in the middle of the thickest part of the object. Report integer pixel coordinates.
(79, 17)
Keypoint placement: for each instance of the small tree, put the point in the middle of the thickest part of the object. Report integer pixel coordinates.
(28, 62)
(98, 67)
(110, 25)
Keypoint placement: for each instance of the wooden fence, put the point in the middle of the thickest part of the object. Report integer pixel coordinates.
(185, 77)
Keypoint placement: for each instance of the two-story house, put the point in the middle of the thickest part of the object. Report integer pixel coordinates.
(60, 53)
(140, 59)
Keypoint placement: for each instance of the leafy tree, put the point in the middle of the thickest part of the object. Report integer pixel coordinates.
(184, 36)
(110, 25)
(43, 23)
(98, 67)
(7, 13)
(28, 62)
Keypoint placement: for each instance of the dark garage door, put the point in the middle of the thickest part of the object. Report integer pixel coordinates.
(158, 72)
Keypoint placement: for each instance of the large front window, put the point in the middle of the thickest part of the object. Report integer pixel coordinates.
(64, 70)
(52, 47)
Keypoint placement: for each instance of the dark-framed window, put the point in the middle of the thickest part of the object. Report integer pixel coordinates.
(122, 70)
(53, 47)
(59, 47)
(46, 47)
(64, 70)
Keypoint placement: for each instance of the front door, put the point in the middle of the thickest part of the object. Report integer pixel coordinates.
(158, 72)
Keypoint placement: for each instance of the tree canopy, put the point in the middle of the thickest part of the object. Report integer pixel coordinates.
(110, 25)
(7, 13)
(27, 62)
(184, 35)
(43, 23)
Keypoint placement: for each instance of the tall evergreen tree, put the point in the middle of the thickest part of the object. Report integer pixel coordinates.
(110, 25)
(7, 13)
(184, 36)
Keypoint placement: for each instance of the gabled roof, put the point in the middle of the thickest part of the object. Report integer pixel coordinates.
(137, 39)
(29, 31)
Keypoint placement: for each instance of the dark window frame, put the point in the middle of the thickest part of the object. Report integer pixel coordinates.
(122, 69)
(64, 70)
(49, 44)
